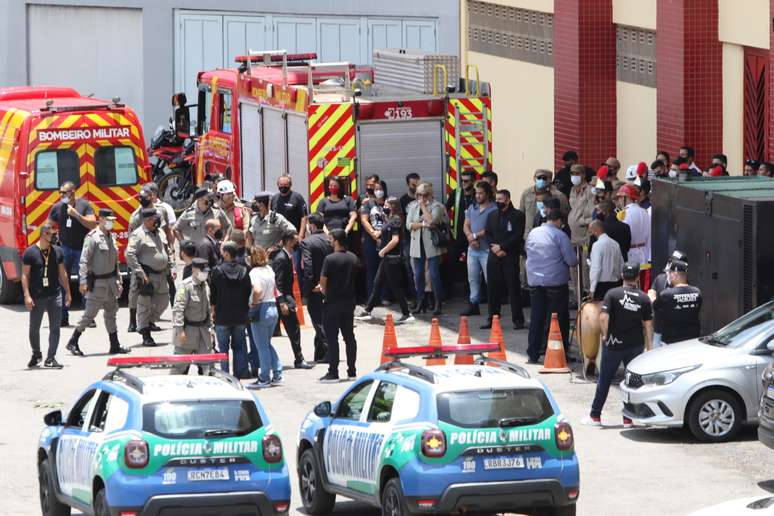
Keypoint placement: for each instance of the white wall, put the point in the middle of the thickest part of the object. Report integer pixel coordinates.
(636, 127)
(733, 106)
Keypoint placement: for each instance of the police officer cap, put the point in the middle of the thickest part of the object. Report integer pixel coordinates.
(679, 255)
(631, 271)
(263, 197)
(201, 264)
(678, 266)
(149, 212)
(105, 213)
(201, 192)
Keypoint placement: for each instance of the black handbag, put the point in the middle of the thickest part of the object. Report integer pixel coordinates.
(441, 235)
(146, 289)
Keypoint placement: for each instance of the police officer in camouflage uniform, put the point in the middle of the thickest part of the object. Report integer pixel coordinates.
(135, 221)
(191, 318)
(147, 257)
(190, 225)
(100, 282)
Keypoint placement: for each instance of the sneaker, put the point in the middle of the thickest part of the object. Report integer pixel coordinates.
(74, 349)
(34, 361)
(330, 378)
(51, 363)
(276, 380)
(258, 384)
(351, 377)
(364, 315)
(627, 423)
(591, 421)
(405, 319)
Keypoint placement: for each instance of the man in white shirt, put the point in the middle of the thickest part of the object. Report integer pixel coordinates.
(638, 220)
(606, 262)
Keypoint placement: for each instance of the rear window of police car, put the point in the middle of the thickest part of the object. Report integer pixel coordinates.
(494, 407)
(199, 418)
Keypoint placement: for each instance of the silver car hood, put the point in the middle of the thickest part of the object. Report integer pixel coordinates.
(675, 356)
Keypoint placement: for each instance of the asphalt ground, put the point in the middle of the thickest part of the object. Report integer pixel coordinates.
(623, 472)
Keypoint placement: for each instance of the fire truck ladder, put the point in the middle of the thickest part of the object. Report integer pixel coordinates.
(472, 133)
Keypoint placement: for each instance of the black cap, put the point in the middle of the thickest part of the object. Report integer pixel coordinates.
(105, 213)
(631, 271)
(149, 212)
(201, 264)
(263, 196)
(679, 255)
(678, 266)
(201, 192)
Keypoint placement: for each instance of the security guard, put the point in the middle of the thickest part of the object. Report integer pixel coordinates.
(147, 257)
(190, 225)
(100, 282)
(191, 318)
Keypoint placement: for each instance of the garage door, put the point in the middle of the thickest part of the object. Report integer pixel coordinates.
(394, 149)
(113, 67)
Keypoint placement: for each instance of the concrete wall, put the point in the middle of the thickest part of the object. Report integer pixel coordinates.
(158, 40)
(635, 13)
(745, 22)
(733, 106)
(636, 127)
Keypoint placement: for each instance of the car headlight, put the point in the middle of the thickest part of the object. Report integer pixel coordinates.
(666, 377)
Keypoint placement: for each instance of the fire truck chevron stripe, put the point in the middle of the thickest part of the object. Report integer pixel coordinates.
(331, 147)
(331, 115)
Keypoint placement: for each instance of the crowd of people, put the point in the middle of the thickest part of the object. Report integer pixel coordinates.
(577, 234)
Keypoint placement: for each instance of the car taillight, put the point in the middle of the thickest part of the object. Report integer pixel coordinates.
(272, 449)
(563, 436)
(433, 443)
(136, 454)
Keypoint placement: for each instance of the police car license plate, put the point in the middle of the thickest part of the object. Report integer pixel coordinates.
(195, 475)
(504, 462)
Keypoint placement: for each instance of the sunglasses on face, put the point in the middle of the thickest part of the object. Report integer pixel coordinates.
(64, 192)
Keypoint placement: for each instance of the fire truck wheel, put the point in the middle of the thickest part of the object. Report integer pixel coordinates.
(9, 290)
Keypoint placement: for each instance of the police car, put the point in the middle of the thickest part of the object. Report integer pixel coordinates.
(441, 439)
(171, 444)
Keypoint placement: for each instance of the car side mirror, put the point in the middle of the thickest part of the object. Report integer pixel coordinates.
(53, 418)
(323, 409)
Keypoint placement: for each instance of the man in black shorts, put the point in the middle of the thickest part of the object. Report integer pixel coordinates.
(627, 329)
(677, 308)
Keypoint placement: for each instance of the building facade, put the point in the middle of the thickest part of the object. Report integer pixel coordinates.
(623, 78)
(145, 50)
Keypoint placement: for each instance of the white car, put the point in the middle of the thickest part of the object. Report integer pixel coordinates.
(710, 385)
(760, 505)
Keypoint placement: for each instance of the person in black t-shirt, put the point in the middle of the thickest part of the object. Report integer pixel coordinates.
(390, 271)
(292, 206)
(338, 208)
(657, 286)
(74, 218)
(43, 273)
(678, 307)
(337, 283)
(627, 329)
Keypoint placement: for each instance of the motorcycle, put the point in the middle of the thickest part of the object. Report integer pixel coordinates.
(173, 167)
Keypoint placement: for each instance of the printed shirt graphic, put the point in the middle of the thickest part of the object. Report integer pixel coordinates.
(628, 308)
(678, 310)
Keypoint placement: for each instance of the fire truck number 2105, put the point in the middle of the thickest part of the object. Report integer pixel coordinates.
(398, 113)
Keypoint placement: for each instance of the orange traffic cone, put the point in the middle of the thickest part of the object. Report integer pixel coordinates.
(435, 341)
(555, 361)
(463, 339)
(299, 302)
(390, 340)
(496, 336)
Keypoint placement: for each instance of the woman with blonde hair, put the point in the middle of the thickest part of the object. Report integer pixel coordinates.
(263, 317)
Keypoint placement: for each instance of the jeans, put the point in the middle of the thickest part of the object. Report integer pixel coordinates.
(544, 301)
(263, 319)
(72, 260)
(611, 359)
(434, 264)
(340, 317)
(252, 353)
(52, 305)
(372, 261)
(657, 340)
(477, 259)
(234, 337)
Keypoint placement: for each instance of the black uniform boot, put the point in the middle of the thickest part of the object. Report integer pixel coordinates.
(147, 340)
(72, 344)
(472, 309)
(115, 346)
(132, 320)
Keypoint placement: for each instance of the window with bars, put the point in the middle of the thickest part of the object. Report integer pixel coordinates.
(510, 32)
(636, 55)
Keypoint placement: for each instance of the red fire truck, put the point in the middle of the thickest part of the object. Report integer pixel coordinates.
(49, 135)
(281, 114)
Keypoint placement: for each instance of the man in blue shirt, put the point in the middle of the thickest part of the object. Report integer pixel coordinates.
(478, 243)
(549, 258)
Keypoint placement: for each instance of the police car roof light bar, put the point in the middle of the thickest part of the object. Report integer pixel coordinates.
(508, 366)
(413, 370)
(166, 360)
(442, 351)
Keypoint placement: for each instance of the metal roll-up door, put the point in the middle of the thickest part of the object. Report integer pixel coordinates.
(273, 147)
(394, 149)
(298, 153)
(252, 150)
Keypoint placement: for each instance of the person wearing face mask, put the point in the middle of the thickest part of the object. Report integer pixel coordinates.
(191, 316)
(659, 169)
(337, 208)
(751, 167)
(292, 206)
(529, 198)
(237, 213)
(147, 257)
(209, 249)
(75, 218)
(267, 226)
(190, 225)
(372, 219)
(617, 230)
(99, 283)
(581, 215)
(638, 220)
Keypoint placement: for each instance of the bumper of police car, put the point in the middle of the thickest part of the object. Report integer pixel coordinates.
(650, 404)
(502, 496)
(252, 503)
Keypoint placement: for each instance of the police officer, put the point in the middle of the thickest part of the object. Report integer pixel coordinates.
(267, 226)
(100, 282)
(147, 257)
(627, 329)
(190, 225)
(191, 318)
(678, 307)
(657, 286)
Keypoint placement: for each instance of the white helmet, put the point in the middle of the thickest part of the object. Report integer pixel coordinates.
(226, 187)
